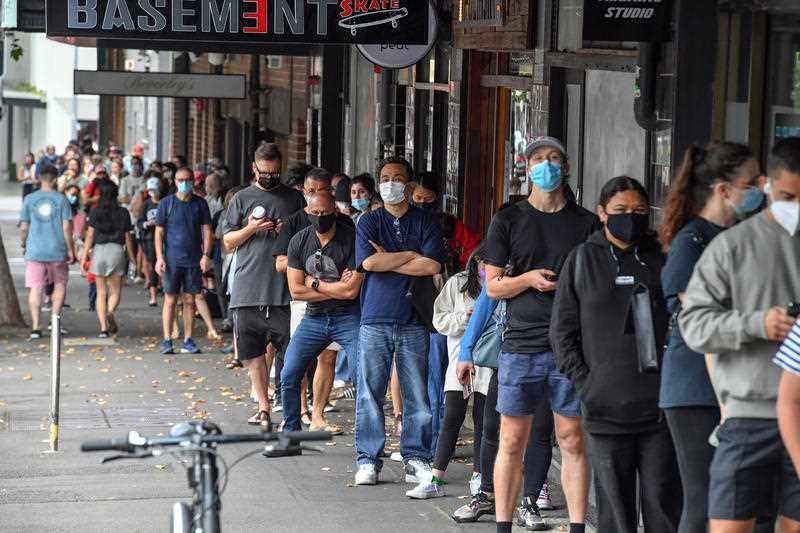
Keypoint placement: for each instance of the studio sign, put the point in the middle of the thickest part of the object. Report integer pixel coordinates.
(246, 21)
(626, 20)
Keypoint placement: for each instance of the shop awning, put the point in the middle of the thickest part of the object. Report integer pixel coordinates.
(23, 99)
(772, 6)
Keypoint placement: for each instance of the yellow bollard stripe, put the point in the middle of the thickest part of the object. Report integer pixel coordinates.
(53, 436)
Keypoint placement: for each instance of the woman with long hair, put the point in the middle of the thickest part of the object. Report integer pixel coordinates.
(107, 239)
(451, 313)
(714, 188)
(26, 174)
(362, 192)
(609, 302)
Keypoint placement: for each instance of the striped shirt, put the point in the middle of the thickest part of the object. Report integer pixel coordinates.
(788, 357)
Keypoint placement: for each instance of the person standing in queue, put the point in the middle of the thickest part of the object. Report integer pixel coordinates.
(260, 299)
(714, 187)
(183, 253)
(321, 271)
(534, 237)
(600, 353)
(395, 245)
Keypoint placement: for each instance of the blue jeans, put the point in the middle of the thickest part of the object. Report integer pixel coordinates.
(524, 378)
(310, 338)
(342, 368)
(409, 346)
(437, 368)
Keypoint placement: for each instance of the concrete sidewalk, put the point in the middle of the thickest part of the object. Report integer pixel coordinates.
(111, 387)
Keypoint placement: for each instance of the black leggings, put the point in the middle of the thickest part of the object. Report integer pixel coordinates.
(455, 409)
(538, 453)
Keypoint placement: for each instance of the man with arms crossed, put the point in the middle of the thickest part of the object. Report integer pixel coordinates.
(395, 245)
(535, 236)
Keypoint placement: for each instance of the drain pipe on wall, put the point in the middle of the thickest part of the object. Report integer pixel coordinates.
(386, 142)
(644, 103)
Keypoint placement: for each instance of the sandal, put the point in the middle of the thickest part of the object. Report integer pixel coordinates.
(213, 336)
(333, 429)
(262, 419)
(305, 418)
(233, 363)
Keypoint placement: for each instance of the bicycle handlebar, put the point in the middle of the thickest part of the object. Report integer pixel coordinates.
(134, 441)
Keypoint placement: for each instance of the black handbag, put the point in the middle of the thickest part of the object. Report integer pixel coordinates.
(423, 293)
(641, 313)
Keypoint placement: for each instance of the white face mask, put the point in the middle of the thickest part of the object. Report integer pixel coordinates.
(787, 214)
(342, 206)
(393, 192)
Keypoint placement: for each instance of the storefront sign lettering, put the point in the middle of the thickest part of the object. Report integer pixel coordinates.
(400, 55)
(626, 20)
(159, 84)
(288, 21)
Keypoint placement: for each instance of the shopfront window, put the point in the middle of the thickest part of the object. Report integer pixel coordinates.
(519, 128)
(783, 80)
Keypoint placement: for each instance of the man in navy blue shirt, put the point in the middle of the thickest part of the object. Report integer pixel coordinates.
(183, 253)
(394, 245)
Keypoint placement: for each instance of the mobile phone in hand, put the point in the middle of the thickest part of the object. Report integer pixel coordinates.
(469, 386)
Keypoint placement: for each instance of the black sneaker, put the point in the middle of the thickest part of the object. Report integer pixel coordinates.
(477, 507)
(529, 517)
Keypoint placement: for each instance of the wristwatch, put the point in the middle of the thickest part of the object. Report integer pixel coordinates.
(315, 284)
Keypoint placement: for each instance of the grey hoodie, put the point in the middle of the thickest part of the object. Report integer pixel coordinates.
(744, 271)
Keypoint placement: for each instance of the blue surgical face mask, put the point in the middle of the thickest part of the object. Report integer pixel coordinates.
(546, 176)
(72, 199)
(752, 200)
(361, 204)
(184, 187)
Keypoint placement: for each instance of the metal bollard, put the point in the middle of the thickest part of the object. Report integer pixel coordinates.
(55, 379)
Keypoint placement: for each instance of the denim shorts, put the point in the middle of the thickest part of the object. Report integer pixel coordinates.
(751, 473)
(524, 378)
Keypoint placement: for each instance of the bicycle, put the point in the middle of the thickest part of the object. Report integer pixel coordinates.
(200, 439)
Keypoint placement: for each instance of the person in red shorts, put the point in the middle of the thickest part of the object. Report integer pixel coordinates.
(46, 235)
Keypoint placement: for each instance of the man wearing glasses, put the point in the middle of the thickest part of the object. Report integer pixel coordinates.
(395, 245)
(260, 299)
(317, 181)
(321, 271)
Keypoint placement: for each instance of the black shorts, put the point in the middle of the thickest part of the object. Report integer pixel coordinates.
(256, 327)
(751, 474)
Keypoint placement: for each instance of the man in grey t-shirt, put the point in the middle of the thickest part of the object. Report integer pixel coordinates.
(260, 299)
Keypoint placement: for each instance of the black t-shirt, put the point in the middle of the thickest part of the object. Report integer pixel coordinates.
(297, 223)
(110, 227)
(257, 282)
(529, 239)
(325, 263)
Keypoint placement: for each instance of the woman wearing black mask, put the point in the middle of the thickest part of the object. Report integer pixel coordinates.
(457, 235)
(596, 327)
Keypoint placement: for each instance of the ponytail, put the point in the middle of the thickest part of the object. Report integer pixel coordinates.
(693, 185)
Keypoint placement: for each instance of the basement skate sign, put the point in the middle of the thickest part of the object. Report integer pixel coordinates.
(243, 21)
(626, 20)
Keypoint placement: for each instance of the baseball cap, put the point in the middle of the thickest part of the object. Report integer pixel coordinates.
(540, 142)
(153, 184)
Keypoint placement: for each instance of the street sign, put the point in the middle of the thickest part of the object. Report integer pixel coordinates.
(243, 21)
(396, 55)
(626, 20)
(166, 84)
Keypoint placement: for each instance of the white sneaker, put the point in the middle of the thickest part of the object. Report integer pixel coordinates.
(544, 502)
(418, 471)
(425, 490)
(396, 457)
(474, 484)
(339, 384)
(366, 475)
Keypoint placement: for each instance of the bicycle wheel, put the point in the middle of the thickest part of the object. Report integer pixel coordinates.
(181, 519)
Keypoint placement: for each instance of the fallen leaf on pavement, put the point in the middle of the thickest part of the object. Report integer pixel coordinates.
(105, 369)
(188, 395)
(199, 380)
(326, 469)
(138, 358)
(235, 398)
(162, 467)
(3, 403)
(27, 377)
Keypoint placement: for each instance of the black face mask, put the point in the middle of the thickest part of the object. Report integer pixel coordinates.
(427, 206)
(322, 223)
(269, 181)
(628, 227)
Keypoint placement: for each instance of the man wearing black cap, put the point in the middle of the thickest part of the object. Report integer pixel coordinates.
(534, 237)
